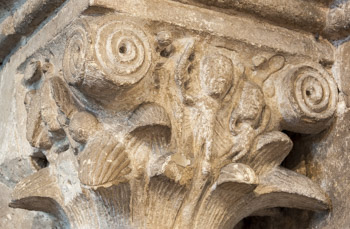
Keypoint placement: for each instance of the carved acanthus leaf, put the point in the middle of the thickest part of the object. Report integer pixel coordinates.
(149, 115)
(39, 192)
(287, 189)
(268, 151)
(103, 161)
(240, 176)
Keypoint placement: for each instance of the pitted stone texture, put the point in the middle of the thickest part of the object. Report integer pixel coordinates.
(326, 161)
(145, 109)
(147, 118)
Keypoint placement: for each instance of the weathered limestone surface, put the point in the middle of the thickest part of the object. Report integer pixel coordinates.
(174, 114)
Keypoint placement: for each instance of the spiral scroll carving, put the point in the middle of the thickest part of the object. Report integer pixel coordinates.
(315, 93)
(101, 58)
(308, 97)
(123, 51)
(76, 51)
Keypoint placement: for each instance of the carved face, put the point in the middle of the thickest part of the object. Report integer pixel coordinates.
(157, 121)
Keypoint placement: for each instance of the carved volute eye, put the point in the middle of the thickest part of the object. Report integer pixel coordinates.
(312, 93)
(315, 93)
(76, 52)
(123, 51)
(216, 74)
(307, 96)
(100, 60)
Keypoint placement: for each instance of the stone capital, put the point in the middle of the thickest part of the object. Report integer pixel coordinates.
(171, 114)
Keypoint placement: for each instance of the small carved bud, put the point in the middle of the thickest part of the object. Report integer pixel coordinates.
(164, 38)
(48, 68)
(82, 125)
(258, 60)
